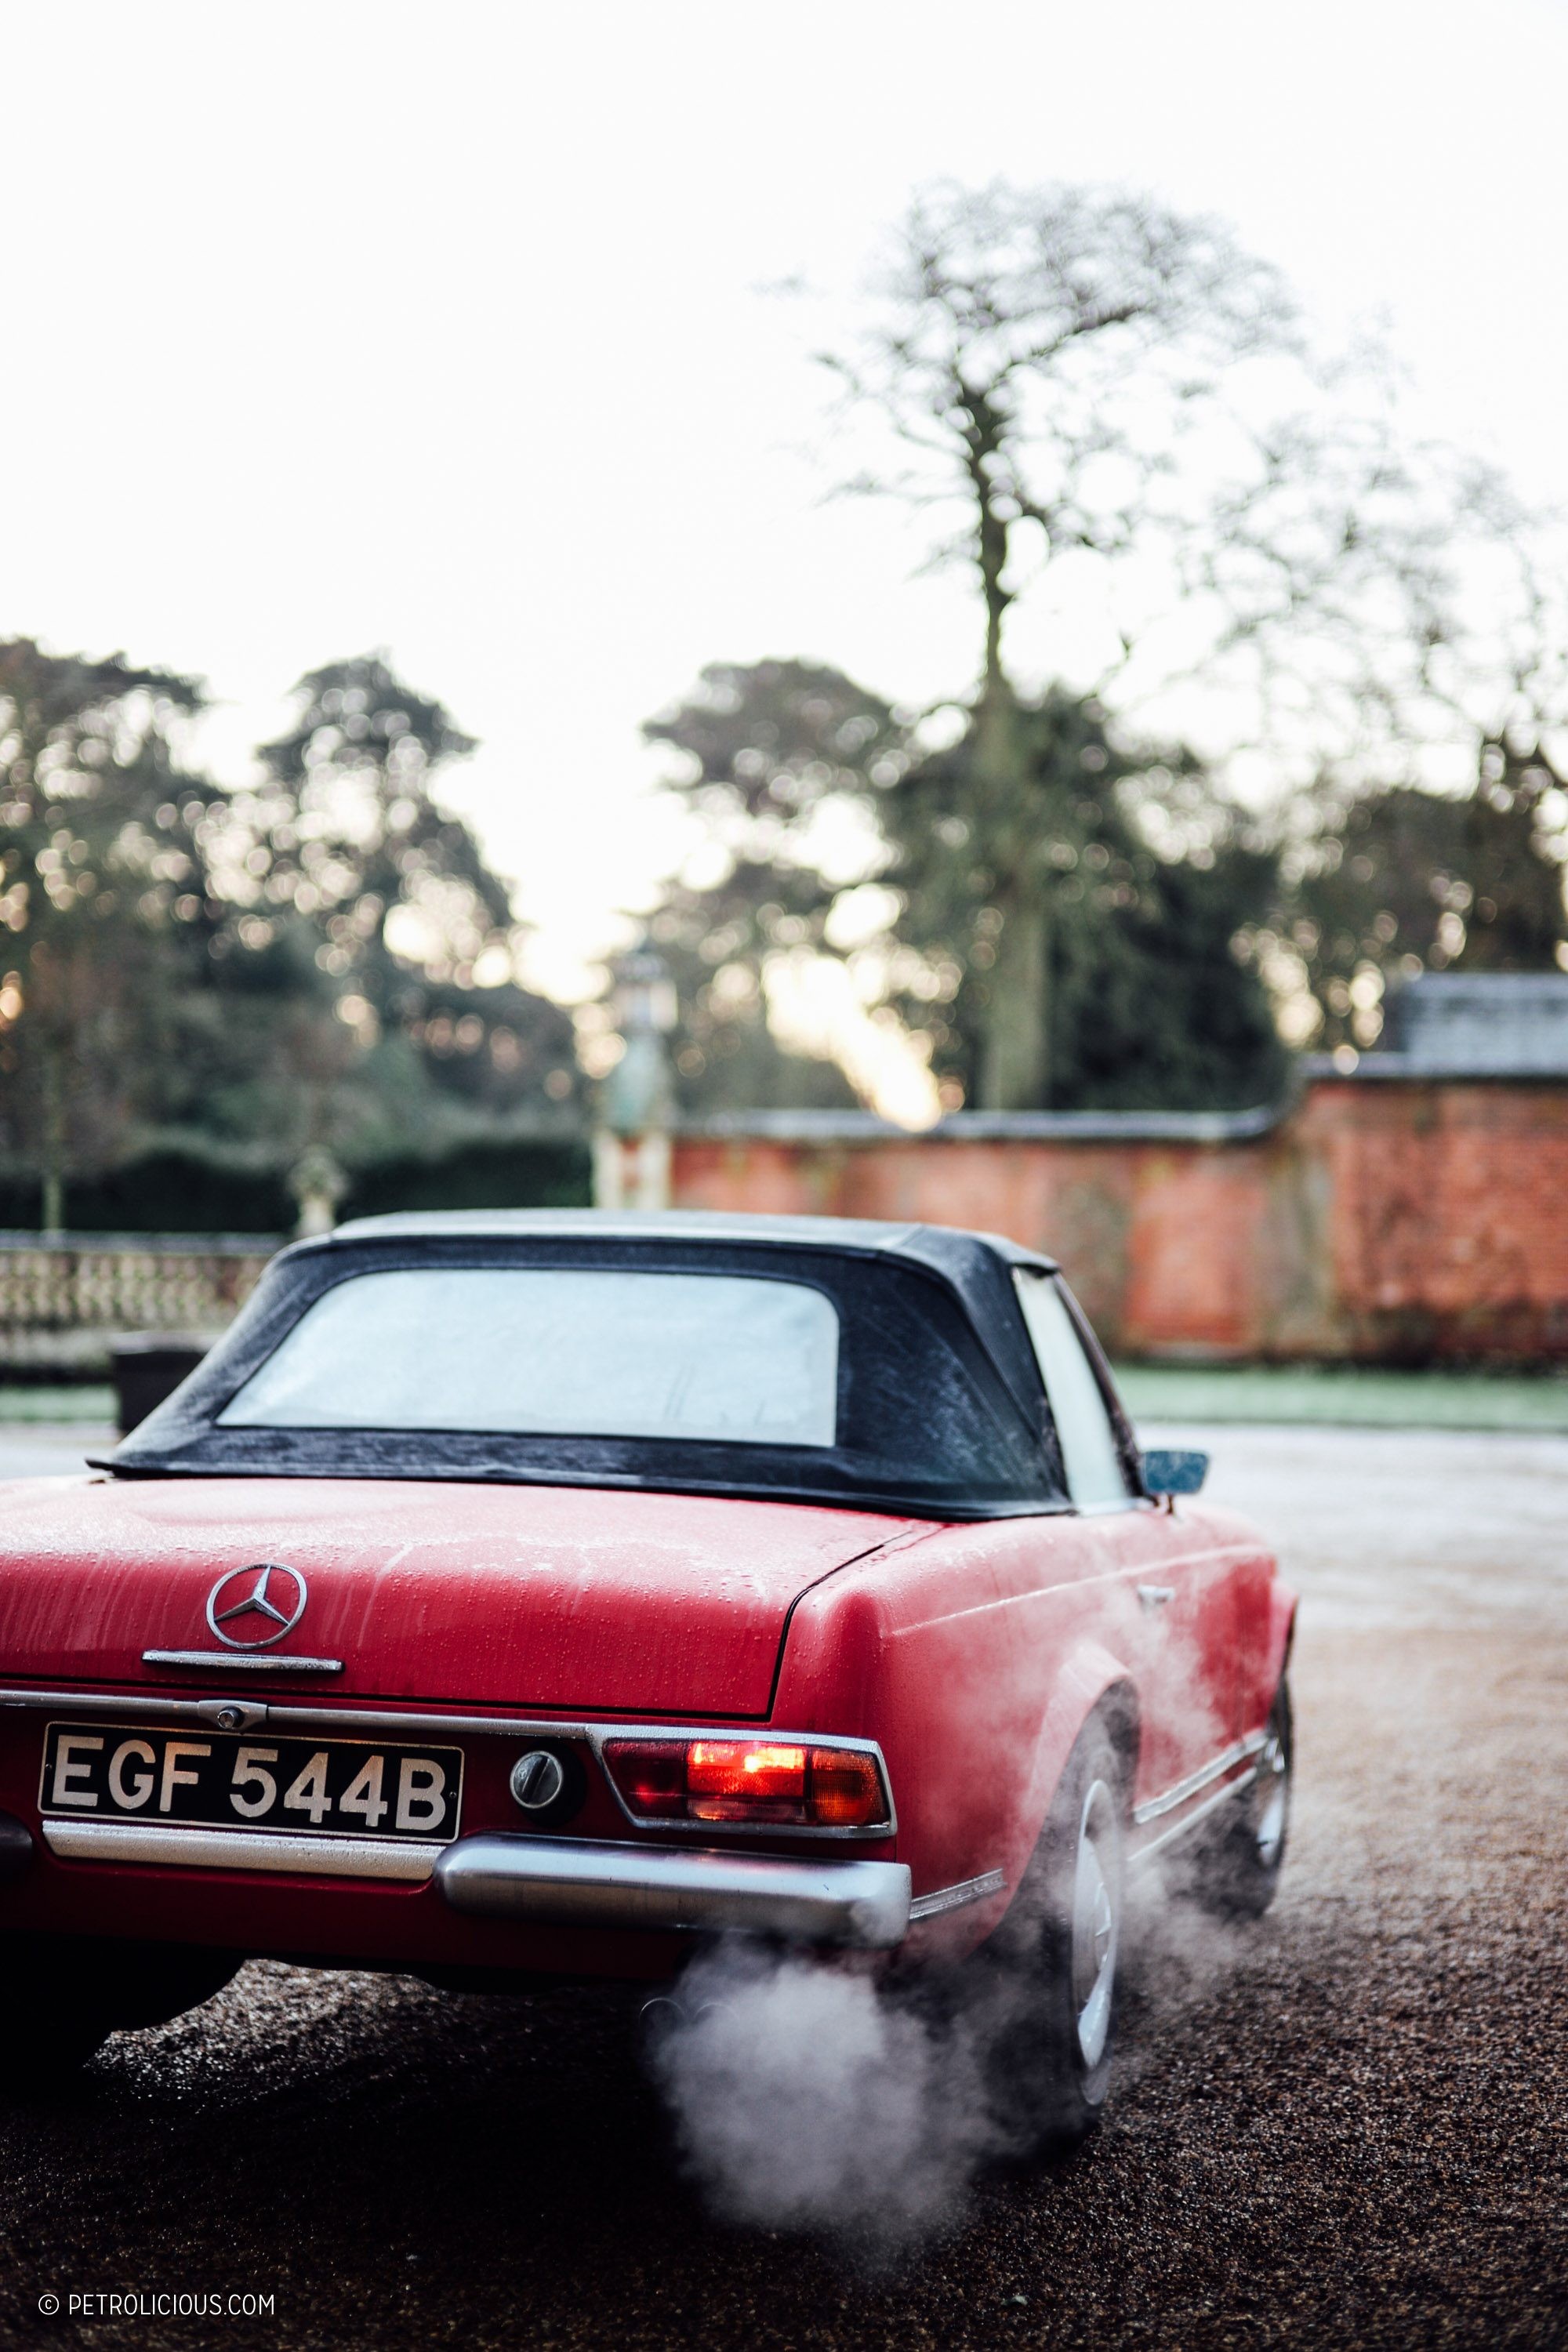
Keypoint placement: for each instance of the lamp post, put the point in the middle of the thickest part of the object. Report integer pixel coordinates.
(637, 1101)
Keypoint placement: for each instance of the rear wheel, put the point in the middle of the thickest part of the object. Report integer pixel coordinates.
(61, 1997)
(1055, 1961)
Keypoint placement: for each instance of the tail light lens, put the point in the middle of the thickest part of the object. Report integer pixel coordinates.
(762, 1781)
(727, 1780)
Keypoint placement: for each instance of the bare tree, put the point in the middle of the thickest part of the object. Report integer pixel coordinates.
(1041, 355)
(1109, 409)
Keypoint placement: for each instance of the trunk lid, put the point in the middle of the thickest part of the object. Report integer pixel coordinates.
(558, 1598)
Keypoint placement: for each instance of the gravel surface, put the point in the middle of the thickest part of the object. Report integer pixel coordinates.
(1343, 2126)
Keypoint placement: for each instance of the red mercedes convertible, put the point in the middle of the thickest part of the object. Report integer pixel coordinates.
(517, 1596)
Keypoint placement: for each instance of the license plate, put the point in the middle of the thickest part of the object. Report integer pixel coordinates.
(213, 1780)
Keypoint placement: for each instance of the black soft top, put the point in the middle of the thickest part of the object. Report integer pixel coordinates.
(942, 1413)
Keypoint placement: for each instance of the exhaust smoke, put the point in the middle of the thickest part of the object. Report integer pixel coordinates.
(811, 2098)
(858, 2110)
(820, 2098)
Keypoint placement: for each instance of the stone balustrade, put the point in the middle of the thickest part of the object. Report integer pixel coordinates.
(65, 1298)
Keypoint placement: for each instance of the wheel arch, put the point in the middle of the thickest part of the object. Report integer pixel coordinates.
(1091, 1683)
(1283, 1604)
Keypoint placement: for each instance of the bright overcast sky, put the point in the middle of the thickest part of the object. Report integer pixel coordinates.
(342, 325)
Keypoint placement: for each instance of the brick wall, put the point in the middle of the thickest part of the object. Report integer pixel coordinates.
(1381, 1218)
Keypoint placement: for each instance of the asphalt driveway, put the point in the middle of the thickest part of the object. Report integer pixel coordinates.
(1346, 2125)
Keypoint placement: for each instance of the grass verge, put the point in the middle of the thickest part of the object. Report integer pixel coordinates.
(56, 1401)
(1348, 1396)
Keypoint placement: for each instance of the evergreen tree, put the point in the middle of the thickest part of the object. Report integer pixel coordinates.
(773, 753)
(248, 973)
(1144, 1000)
(105, 903)
(351, 862)
(1386, 884)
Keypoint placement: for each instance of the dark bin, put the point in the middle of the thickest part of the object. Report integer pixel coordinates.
(146, 1371)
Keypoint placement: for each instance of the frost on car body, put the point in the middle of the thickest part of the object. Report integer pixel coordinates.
(528, 1594)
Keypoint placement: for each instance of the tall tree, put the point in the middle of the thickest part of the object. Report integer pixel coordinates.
(1083, 393)
(1140, 997)
(355, 841)
(104, 899)
(1380, 885)
(776, 758)
(810, 785)
(349, 846)
(327, 959)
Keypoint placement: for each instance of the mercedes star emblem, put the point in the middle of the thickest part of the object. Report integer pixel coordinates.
(270, 1595)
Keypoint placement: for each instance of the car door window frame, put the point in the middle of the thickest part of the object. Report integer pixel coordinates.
(1128, 1455)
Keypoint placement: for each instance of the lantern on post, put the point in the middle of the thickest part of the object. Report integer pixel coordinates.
(637, 1101)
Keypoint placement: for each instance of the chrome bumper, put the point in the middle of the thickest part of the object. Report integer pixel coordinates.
(862, 1905)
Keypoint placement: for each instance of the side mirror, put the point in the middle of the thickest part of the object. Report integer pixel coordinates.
(1169, 1471)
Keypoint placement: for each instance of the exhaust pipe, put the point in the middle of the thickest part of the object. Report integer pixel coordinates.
(666, 2010)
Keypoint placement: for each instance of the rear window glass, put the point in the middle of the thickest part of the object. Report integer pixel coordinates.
(591, 1353)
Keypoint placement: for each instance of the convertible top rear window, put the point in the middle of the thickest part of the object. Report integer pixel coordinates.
(585, 1351)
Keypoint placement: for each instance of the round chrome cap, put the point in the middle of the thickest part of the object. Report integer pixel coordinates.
(537, 1781)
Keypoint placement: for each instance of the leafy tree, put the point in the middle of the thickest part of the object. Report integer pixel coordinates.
(346, 853)
(105, 899)
(777, 755)
(1381, 885)
(1142, 1000)
(772, 745)
(251, 972)
(789, 762)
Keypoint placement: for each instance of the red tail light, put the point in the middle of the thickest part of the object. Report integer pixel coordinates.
(652, 1779)
(730, 1780)
(760, 1780)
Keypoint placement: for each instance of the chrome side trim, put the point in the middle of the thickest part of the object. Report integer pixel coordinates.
(229, 1661)
(1178, 1794)
(1236, 1788)
(294, 1718)
(284, 1717)
(200, 1849)
(954, 1898)
(500, 1875)
(67, 1701)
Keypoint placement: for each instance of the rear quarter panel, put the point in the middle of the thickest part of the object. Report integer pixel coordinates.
(975, 1655)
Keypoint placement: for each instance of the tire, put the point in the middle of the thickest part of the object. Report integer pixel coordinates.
(52, 2023)
(1055, 1961)
(61, 1997)
(52, 2046)
(147, 1984)
(1238, 1874)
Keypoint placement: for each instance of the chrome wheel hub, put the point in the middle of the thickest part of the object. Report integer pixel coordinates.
(1272, 1800)
(1096, 1921)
